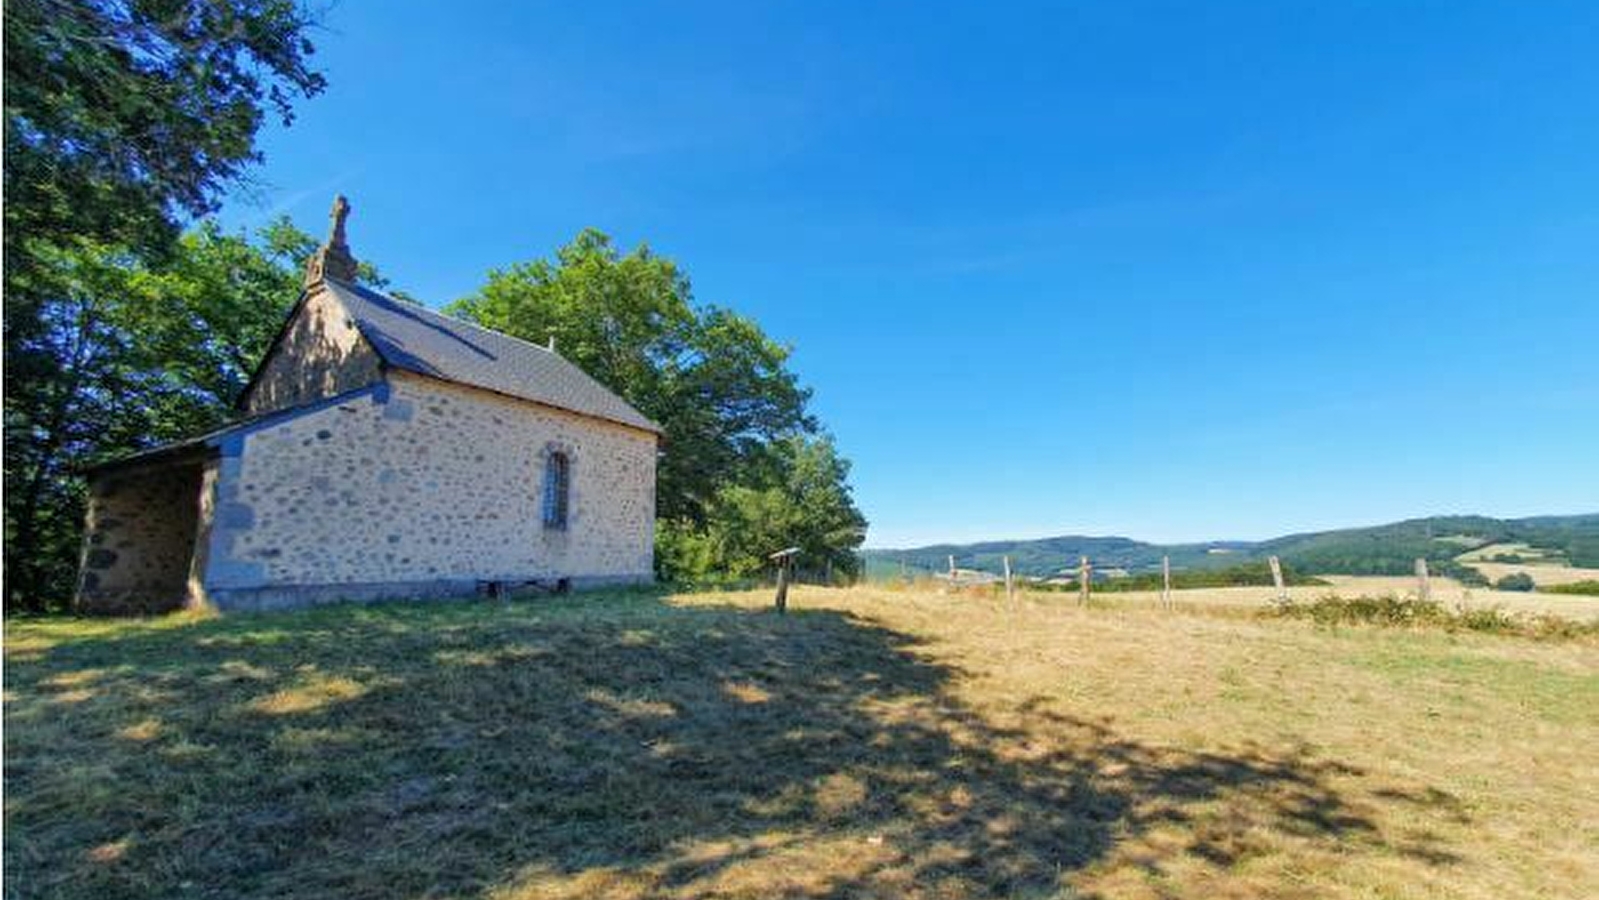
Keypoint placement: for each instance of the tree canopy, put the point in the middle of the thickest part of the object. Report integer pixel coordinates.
(142, 354)
(744, 461)
(717, 385)
(807, 505)
(123, 117)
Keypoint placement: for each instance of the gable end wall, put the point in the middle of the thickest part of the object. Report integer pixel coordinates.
(321, 354)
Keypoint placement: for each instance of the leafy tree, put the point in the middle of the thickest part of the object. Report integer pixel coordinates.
(145, 355)
(1466, 575)
(121, 116)
(808, 505)
(51, 429)
(719, 387)
(1515, 581)
(743, 473)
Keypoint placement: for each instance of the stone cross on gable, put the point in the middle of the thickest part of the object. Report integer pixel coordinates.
(333, 259)
(340, 212)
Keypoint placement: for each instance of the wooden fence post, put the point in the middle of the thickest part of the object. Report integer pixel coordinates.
(782, 587)
(1166, 582)
(1010, 587)
(1277, 579)
(1085, 575)
(1423, 583)
(785, 562)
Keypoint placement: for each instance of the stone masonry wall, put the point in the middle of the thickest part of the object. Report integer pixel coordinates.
(322, 354)
(139, 539)
(425, 481)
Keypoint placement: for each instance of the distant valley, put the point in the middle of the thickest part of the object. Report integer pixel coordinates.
(1452, 545)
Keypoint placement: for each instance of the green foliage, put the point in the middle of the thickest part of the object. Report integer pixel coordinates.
(120, 117)
(719, 387)
(688, 555)
(1385, 549)
(807, 506)
(1579, 588)
(121, 114)
(1515, 581)
(1462, 573)
(1394, 611)
(744, 473)
(1576, 538)
(1392, 549)
(1386, 610)
(143, 355)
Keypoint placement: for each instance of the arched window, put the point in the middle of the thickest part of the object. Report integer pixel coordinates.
(557, 488)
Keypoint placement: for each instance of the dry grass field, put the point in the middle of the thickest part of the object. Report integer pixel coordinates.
(870, 744)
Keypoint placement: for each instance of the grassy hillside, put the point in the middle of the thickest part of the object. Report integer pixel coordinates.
(870, 744)
(1379, 550)
(1392, 549)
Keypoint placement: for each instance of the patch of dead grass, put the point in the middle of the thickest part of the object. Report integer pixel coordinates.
(310, 691)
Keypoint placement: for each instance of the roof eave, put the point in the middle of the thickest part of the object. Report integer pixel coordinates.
(649, 428)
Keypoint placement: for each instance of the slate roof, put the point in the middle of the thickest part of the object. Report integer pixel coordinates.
(213, 438)
(413, 338)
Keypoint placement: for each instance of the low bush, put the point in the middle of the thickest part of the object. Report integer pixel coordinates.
(1385, 610)
(1515, 581)
(1462, 573)
(1583, 588)
(1395, 611)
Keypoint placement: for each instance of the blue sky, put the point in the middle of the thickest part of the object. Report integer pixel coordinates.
(1172, 271)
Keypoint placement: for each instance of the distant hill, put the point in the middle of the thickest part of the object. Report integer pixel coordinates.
(1378, 550)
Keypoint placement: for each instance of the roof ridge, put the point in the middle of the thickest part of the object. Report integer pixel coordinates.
(346, 293)
(451, 319)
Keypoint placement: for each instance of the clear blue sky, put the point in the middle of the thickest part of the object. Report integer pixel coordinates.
(1173, 271)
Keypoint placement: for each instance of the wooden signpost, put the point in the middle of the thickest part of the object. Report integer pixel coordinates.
(1277, 579)
(1085, 575)
(1423, 583)
(785, 564)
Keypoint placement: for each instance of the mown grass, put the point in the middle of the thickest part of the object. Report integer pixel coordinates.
(871, 743)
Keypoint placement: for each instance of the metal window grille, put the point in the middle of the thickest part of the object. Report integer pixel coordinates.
(557, 489)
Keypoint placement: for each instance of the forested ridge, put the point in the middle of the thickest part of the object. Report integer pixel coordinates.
(1390, 549)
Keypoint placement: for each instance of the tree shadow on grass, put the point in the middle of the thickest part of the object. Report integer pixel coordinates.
(588, 747)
